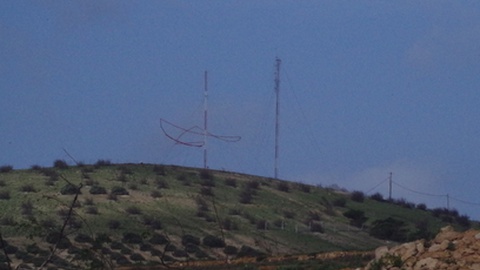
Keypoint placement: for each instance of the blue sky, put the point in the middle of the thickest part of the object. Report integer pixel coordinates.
(367, 88)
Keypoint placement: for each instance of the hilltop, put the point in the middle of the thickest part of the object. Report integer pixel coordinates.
(108, 215)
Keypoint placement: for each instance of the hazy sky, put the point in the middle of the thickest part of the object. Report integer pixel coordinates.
(367, 88)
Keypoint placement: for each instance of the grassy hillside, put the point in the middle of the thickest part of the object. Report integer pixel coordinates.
(148, 214)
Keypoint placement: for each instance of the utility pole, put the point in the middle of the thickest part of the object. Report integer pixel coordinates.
(390, 187)
(205, 119)
(277, 111)
(448, 202)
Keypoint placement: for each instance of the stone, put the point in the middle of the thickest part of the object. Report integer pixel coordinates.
(427, 263)
(380, 252)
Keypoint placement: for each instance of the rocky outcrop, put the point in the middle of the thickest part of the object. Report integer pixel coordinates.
(448, 250)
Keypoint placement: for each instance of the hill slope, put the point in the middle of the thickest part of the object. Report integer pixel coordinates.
(150, 214)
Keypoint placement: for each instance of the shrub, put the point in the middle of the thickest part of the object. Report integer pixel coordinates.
(463, 221)
(27, 208)
(180, 253)
(191, 248)
(377, 197)
(60, 164)
(206, 191)
(316, 227)
(88, 201)
(357, 196)
(230, 250)
(116, 190)
(159, 169)
(4, 195)
(133, 186)
(133, 210)
(232, 182)
(283, 186)
(246, 251)
(136, 257)
(303, 187)
(190, 239)
(92, 210)
(161, 183)
(132, 238)
(246, 196)
(70, 189)
(422, 206)
(261, 224)
(112, 197)
(6, 168)
(155, 194)
(102, 163)
(7, 221)
(83, 238)
(201, 204)
(213, 241)
(252, 184)
(125, 170)
(113, 224)
(389, 229)
(27, 188)
(229, 225)
(340, 202)
(95, 190)
(288, 214)
(158, 239)
(2, 183)
(205, 174)
(357, 217)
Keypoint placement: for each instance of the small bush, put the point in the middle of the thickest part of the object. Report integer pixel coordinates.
(158, 239)
(102, 163)
(116, 190)
(161, 183)
(252, 184)
(7, 221)
(201, 204)
(88, 201)
(288, 214)
(70, 189)
(229, 225)
(92, 210)
(261, 224)
(6, 168)
(303, 187)
(422, 206)
(340, 202)
(112, 197)
(377, 197)
(316, 227)
(132, 186)
(95, 190)
(27, 188)
(133, 210)
(132, 238)
(246, 196)
(232, 182)
(4, 195)
(155, 194)
(83, 238)
(136, 257)
(246, 251)
(283, 186)
(357, 217)
(206, 191)
(230, 250)
(60, 164)
(357, 196)
(213, 241)
(205, 174)
(190, 239)
(113, 224)
(2, 183)
(27, 208)
(159, 170)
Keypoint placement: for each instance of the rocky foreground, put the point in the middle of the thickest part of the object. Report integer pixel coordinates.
(448, 250)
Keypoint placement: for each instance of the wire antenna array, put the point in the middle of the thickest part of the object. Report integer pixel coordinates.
(196, 132)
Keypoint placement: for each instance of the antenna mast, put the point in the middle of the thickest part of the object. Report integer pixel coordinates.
(205, 119)
(277, 111)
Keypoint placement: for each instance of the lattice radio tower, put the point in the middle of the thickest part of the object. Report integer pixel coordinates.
(277, 112)
(196, 131)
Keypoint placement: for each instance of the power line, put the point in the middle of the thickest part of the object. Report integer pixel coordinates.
(419, 192)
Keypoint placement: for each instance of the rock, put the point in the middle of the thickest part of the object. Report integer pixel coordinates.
(427, 263)
(449, 250)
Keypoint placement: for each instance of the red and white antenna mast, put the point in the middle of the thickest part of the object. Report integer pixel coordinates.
(277, 111)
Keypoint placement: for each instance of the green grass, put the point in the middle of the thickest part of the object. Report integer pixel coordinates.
(177, 209)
